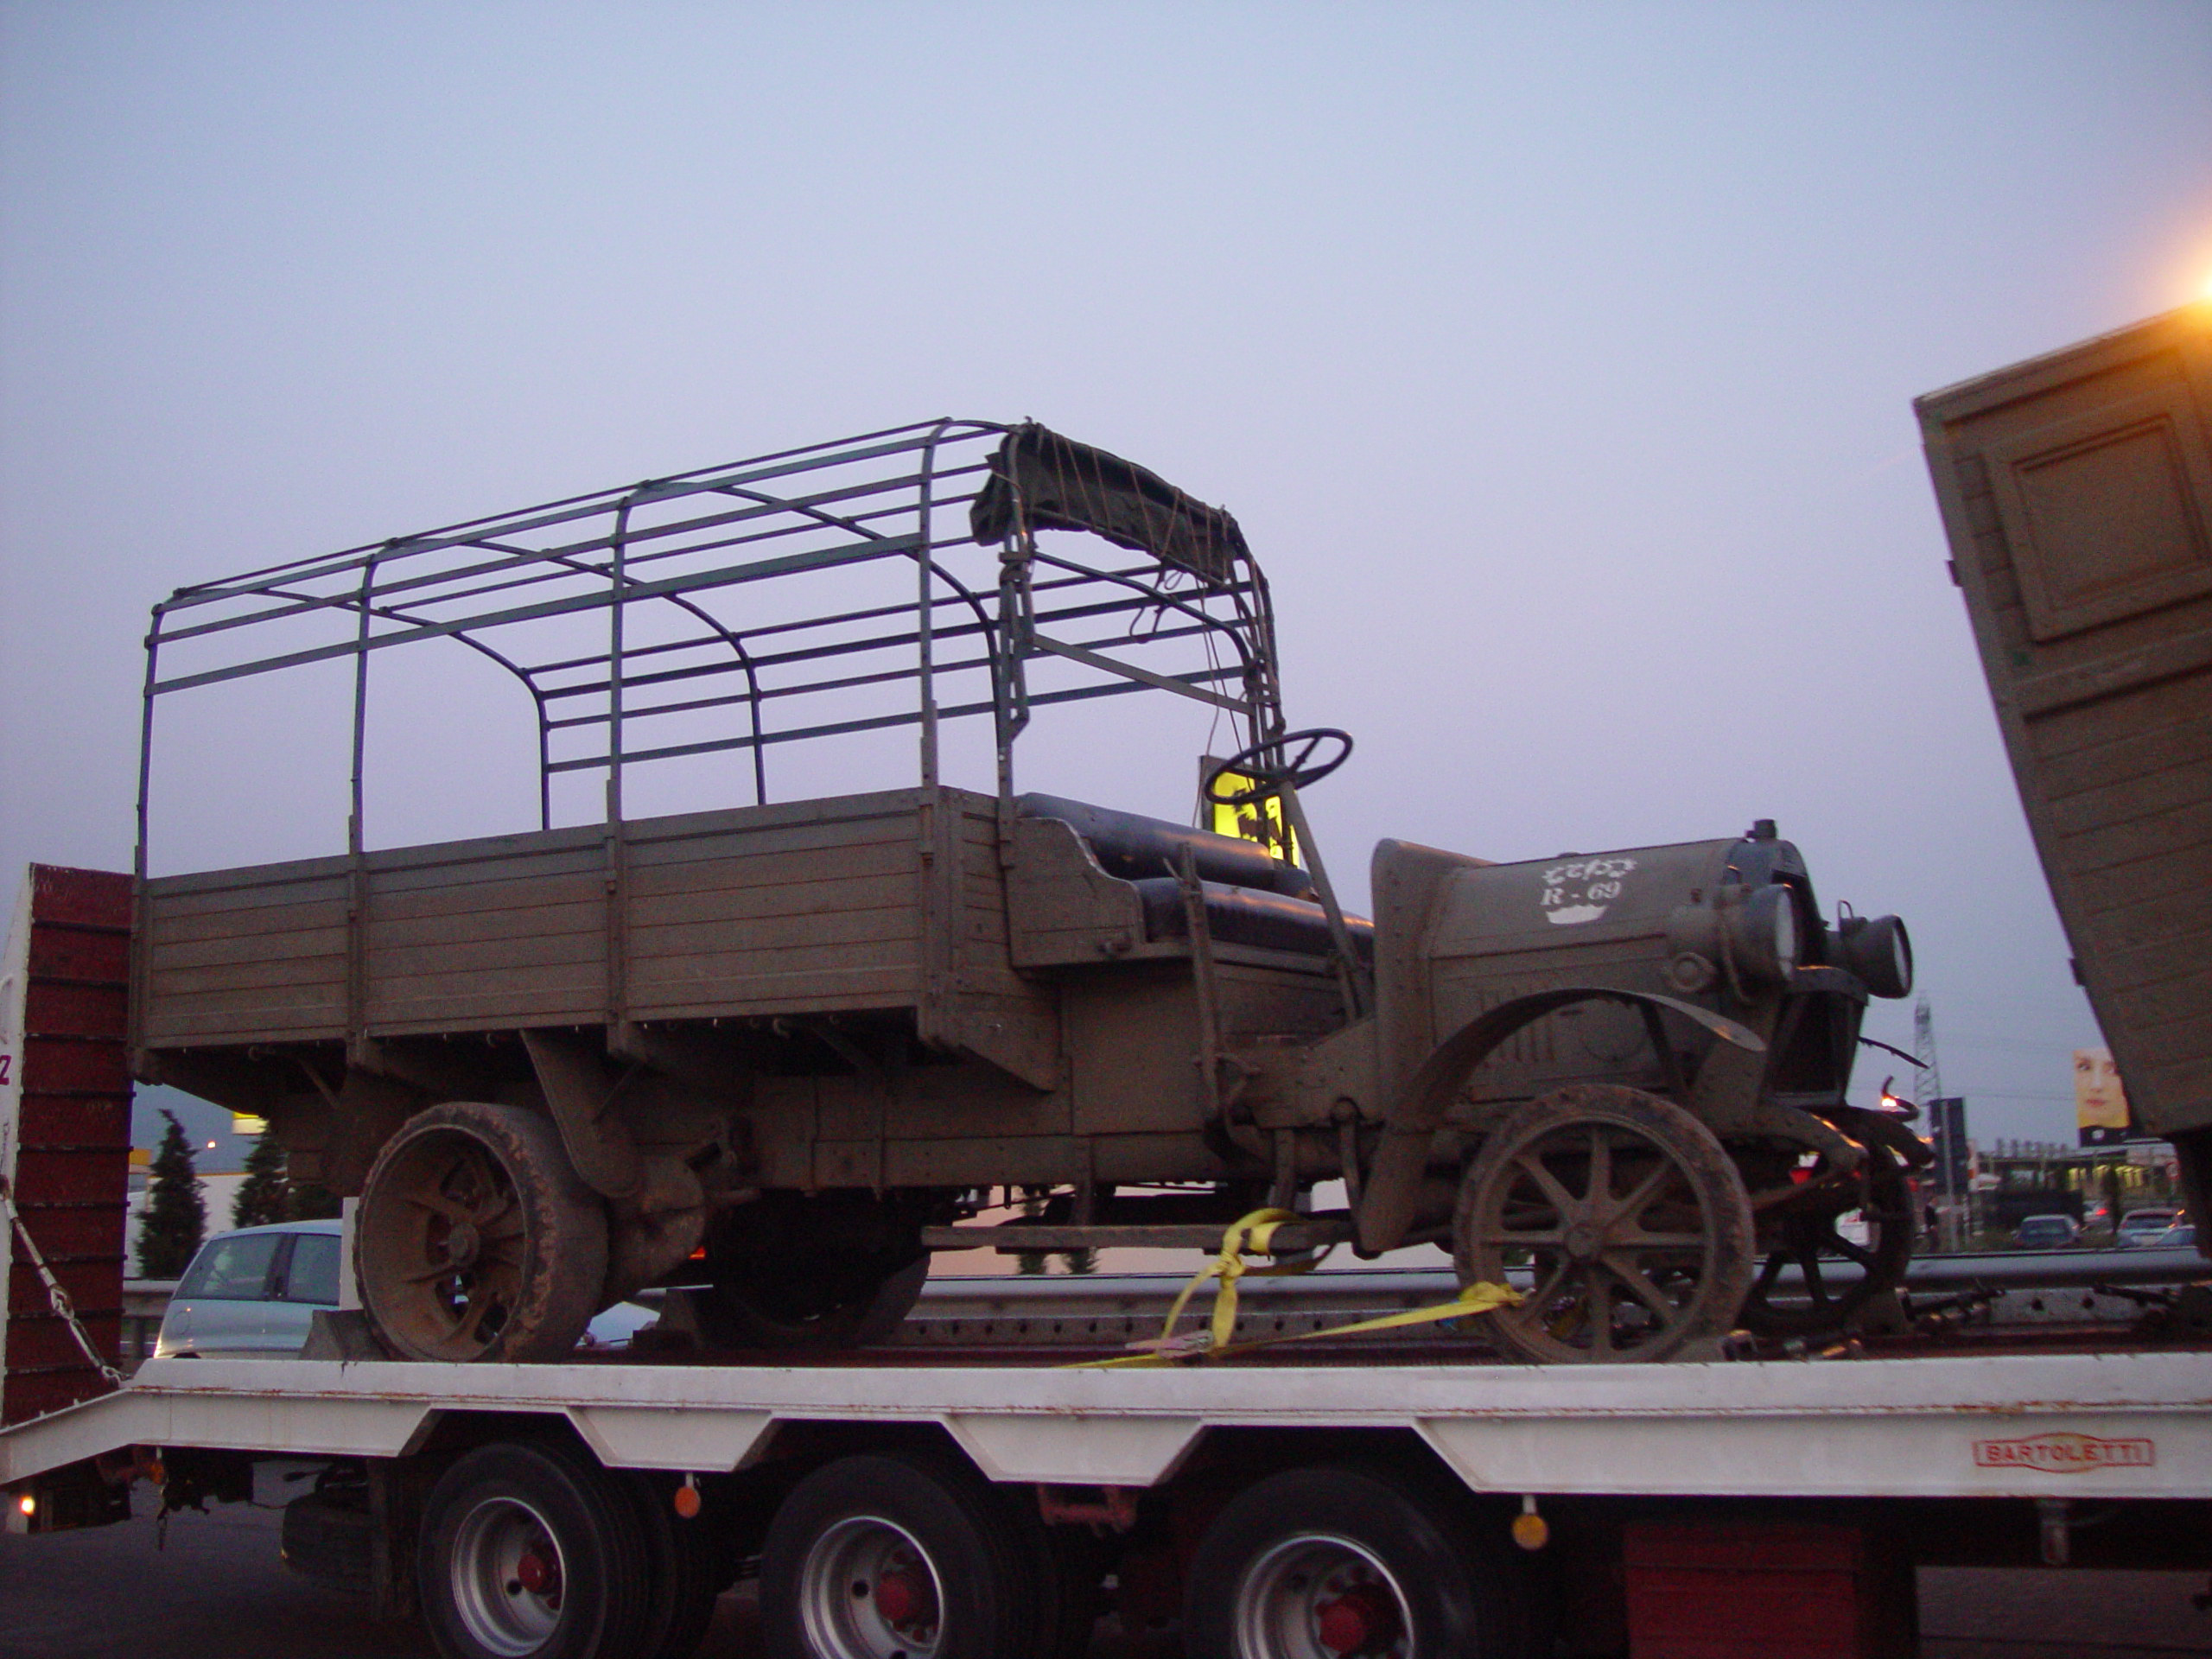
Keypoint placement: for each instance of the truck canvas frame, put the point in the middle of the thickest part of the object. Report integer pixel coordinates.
(778, 1053)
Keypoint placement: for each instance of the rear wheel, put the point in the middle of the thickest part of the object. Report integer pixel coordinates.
(1327, 1563)
(836, 1271)
(476, 1239)
(905, 1556)
(528, 1551)
(1629, 1215)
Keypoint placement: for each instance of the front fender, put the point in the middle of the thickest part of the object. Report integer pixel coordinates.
(1410, 1123)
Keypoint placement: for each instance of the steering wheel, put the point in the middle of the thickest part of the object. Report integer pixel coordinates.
(1295, 768)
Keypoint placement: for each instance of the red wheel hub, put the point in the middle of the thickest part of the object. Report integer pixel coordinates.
(905, 1596)
(536, 1574)
(1364, 1619)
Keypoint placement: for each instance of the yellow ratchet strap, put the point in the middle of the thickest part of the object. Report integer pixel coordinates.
(1254, 1235)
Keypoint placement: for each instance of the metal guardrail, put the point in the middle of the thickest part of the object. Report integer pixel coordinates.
(1107, 1310)
(1111, 1309)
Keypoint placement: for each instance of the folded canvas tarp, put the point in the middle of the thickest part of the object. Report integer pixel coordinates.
(1045, 481)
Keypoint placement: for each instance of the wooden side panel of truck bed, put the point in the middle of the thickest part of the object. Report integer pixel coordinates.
(810, 907)
(2077, 492)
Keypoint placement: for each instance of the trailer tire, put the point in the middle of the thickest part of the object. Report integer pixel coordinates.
(476, 1239)
(530, 1552)
(689, 1563)
(877, 1555)
(1349, 1558)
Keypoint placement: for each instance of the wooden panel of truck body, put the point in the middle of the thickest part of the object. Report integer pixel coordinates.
(811, 906)
(2077, 492)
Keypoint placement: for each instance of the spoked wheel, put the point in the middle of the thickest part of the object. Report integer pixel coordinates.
(1812, 1240)
(476, 1240)
(836, 1271)
(1628, 1213)
(530, 1553)
(896, 1557)
(1330, 1563)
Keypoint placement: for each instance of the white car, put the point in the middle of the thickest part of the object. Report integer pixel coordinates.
(252, 1294)
(2139, 1227)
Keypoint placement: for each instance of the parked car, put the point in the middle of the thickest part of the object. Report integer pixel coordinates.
(2046, 1233)
(251, 1294)
(2181, 1236)
(2139, 1227)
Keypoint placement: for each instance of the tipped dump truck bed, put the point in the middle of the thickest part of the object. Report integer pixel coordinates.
(2076, 491)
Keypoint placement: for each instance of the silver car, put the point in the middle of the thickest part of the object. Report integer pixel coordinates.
(252, 1294)
(2140, 1227)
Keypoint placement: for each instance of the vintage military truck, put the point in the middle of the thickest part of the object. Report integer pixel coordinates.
(781, 1051)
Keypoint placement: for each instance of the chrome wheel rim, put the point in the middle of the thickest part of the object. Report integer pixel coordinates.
(869, 1591)
(510, 1578)
(1319, 1596)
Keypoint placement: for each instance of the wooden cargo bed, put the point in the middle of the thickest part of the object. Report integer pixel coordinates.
(809, 906)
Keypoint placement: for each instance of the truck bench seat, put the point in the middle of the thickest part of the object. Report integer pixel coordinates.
(1132, 847)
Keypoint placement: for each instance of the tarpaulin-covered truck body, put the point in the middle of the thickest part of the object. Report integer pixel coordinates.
(2076, 490)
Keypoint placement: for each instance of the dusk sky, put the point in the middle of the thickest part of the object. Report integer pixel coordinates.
(1557, 360)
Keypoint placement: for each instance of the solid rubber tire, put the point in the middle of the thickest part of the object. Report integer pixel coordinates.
(564, 1247)
(732, 1321)
(606, 1581)
(1732, 1253)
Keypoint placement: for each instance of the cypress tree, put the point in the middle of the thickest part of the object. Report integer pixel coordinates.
(264, 1195)
(313, 1201)
(176, 1216)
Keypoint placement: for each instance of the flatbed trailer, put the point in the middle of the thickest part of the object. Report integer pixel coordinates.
(1768, 1507)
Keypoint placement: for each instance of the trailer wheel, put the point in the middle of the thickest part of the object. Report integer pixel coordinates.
(1327, 1563)
(1629, 1213)
(530, 1553)
(689, 1562)
(1813, 1240)
(476, 1239)
(880, 1557)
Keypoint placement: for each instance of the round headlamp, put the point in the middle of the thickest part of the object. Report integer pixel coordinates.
(1762, 934)
(1878, 951)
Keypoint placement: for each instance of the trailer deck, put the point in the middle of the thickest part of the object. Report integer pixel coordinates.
(2069, 1426)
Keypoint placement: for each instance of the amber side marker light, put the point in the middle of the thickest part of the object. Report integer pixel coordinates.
(28, 1504)
(1530, 1530)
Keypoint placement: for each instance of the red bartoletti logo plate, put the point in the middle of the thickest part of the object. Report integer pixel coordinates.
(2065, 1454)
